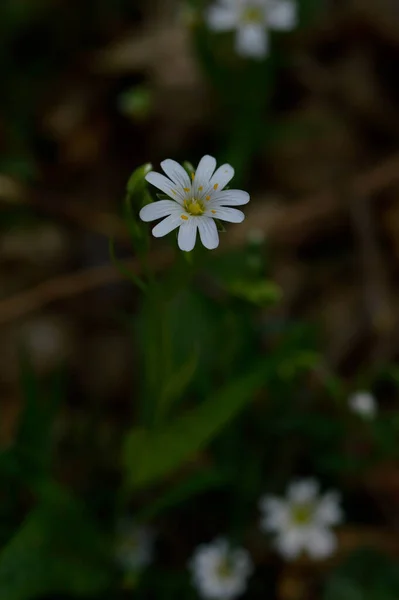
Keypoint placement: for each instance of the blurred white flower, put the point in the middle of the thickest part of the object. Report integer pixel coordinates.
(302, 521)
(364, 404)
(134, 548)
(195, 203)
(251, 20)
(220, 571)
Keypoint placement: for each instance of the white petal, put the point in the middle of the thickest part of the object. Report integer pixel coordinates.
(158, 210)
(231, 215)
(187, 235)
(176, 173)
(222, 18)
(282, 15)
(291, 543)
(230, 198)
(165, 185)
(166, 226)
(252, 40)
(222, 176)
(208, 232)
(303, 491)
(204, 172)
(328, 511)
(321, 543)
(275, 513)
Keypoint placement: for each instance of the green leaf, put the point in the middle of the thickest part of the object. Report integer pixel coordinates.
(56, 550)
(151, 455)
(177, 384)
(259, 292)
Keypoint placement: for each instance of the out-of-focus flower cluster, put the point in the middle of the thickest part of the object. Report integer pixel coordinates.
(251, 21)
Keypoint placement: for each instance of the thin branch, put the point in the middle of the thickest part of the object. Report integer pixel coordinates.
(280, 223)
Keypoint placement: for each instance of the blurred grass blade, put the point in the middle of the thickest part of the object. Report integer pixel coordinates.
(57, 550)
(34, 437)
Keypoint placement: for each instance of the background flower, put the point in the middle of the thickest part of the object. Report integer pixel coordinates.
(363, 404)
(251, 20)
(301, 522)
(134, 547)
(220, 571)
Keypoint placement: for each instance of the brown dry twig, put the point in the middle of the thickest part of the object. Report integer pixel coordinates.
(67, 286)
(282, 224)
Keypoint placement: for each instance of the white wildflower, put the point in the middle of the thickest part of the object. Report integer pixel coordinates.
(134, 546)
(302, 521)
(364, 404)
(195, 203)
(220, 571)
(251, 20)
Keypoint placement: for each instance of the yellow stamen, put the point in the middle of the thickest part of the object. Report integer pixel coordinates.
(215, 187)
(253, 14)
(185, 217)
(213, 212)
(192, 176)
(200, 188)
(208, 198)
(302, 513)
(194, 207)
(186, 189)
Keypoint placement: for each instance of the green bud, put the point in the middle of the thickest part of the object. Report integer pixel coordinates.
(188, 168)
(136, 182)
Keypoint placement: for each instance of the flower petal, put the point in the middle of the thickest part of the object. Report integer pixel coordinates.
(275, 513)
(321, 543)
(167, 225)
(187, 235)
(222, 18)
(176, 173)
(304, 490)
(222, 176)
(282, 15)
(204, 172)
(252, 40)
(208, 232)
(158, 210)
(328, 511)
(166, 185)
(230, 198)
(231, 215)
(290, 543)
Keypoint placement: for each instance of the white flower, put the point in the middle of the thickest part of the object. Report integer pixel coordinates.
(364, 404)
(195, 203)
(134, 545)
(220, 571)
(251, 19)
(302, 521)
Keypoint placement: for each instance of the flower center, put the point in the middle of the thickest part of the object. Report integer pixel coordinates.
(194, 207)
(252, 14)
(224, 569)
(302, 514)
